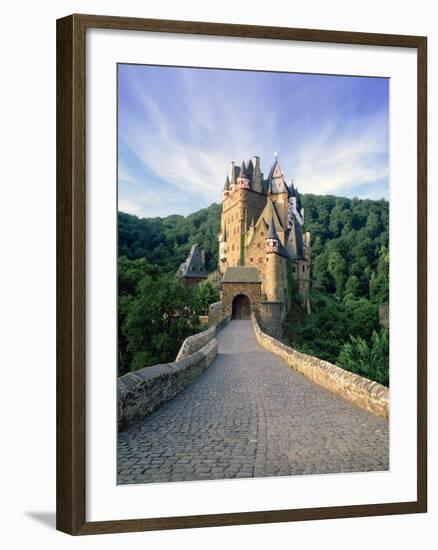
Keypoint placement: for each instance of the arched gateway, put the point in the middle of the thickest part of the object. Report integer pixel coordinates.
(241, 307)
(240, 291)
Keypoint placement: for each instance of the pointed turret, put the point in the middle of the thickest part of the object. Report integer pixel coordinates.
(272, 234)
(233, 183)
(272, 240)
(299, 207)
(256, 176)
(243, 179)
(276, 179)
(226, 190)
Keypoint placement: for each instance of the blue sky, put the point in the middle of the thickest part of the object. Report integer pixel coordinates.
(179, 128)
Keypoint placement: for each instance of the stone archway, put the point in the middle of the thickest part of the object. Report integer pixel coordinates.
(241, 307)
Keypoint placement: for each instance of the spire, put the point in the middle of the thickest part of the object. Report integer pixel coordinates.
(272, 233)
(298, 200)
(226, 189)
(272, 241)
(276, 179)
(256, 176)
(243, 179)
(232, 173)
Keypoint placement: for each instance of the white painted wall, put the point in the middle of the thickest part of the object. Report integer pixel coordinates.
(28, 271)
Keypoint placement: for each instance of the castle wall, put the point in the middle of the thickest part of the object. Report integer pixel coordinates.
(255, 255)
(231, 290)
(364, 393)
(303, 270)
(231, 220)
(276, 278)
(271, 316)
(215, 314)
(238, 210)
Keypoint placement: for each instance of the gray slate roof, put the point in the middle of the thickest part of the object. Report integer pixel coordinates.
(295, 245)
(240, 274)
(194, 265)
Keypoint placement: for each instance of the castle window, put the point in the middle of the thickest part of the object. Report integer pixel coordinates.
(304, 268)
(250, 259)
(294, 269)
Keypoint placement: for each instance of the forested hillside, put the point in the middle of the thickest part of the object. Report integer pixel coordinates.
(350, 278)
(349, 271)
(166, 242)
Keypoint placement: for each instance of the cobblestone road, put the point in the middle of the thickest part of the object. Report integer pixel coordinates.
(250, 415)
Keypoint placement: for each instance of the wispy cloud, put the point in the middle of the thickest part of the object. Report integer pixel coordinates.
(180, 128)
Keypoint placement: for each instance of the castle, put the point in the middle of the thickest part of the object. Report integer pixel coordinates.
(264, 255)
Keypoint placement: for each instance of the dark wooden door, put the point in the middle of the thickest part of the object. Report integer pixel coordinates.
(241, 307)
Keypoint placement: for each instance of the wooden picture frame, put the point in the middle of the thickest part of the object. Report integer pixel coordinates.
(71, 273)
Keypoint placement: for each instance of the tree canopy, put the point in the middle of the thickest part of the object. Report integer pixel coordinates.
(166, 242)
(156, 313)
(349, 280)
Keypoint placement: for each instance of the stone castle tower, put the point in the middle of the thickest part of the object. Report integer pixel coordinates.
(264, 255)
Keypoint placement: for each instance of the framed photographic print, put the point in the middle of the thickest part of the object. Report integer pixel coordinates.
(241, 274)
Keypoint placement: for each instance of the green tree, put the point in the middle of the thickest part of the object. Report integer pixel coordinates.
(155, 314)
(157, 321)
(337, 268)
(352, 287)
(370, 360)
(206, 293)
(379, 281)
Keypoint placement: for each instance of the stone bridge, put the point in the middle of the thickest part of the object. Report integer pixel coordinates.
(248, 415)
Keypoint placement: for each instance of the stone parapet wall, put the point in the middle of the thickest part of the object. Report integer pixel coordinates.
(364, 393)
(197, 341)
(215, 313)
(140, 393)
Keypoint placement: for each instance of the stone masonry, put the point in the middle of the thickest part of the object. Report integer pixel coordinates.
(364, 393)
(231, 290)
(250, 415)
